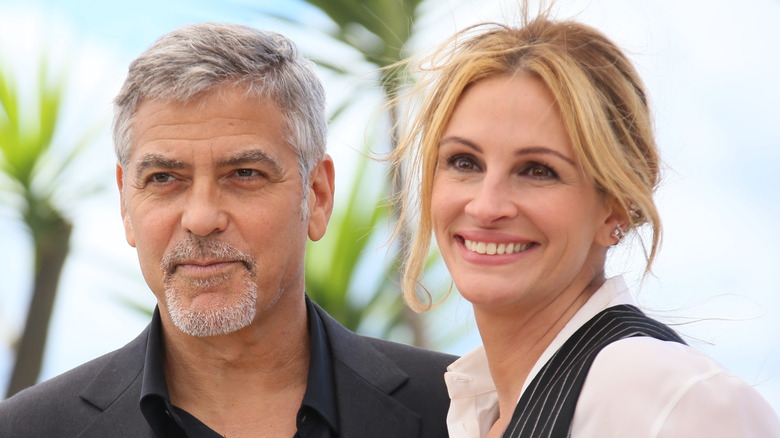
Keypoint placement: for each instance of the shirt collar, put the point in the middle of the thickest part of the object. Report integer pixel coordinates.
(470, 372)
(474, 401)
(155, 404)
(320, 394)
(153, 382)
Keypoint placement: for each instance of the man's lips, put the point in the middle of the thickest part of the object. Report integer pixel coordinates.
(204, 267)
(197, 254)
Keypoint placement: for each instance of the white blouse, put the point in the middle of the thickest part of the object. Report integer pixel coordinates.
(638, 387)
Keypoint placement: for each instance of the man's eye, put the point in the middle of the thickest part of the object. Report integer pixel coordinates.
(247, 173)
(161, 178)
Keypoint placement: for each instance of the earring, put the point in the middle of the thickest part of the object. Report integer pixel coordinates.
(618, 233)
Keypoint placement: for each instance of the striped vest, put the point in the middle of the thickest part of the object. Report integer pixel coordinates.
(546, 409)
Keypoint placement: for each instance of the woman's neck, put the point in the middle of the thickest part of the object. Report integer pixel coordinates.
(516, 338)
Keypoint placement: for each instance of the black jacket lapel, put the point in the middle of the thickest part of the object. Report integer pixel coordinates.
(116, 391)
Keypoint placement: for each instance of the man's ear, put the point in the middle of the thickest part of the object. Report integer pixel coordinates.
(120, 183)
(321, 189)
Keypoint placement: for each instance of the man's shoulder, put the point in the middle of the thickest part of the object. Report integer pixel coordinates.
(59, 404)
(402, 382)
(409, 357)
(347, 344)
(57, 388)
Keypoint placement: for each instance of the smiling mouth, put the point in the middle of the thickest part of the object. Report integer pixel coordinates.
(495, 248)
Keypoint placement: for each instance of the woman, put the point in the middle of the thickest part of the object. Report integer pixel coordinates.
(535, 154)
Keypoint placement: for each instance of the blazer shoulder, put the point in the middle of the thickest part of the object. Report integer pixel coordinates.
(370, 354)
(411, 359)
(65, 399)
(403, 383)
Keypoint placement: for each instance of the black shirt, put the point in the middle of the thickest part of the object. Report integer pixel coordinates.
(317, 416)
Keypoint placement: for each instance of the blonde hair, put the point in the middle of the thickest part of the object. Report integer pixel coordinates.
(601, 99)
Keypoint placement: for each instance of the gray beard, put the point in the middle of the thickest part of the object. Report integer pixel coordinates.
(213, 322)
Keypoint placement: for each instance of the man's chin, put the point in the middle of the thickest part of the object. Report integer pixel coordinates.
(214, 323)
(210, 313)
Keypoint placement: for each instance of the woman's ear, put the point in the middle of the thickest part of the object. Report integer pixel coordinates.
(613, 228)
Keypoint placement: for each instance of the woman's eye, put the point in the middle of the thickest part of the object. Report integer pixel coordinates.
(540, 171)
(462, 163)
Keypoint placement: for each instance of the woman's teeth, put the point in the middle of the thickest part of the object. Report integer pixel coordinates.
(491, 248)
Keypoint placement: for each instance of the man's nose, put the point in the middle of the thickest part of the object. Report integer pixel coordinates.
(204, 212)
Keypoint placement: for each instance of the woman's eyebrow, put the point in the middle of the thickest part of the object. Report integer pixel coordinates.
(524, 151)
(461, 140)
(544, 150)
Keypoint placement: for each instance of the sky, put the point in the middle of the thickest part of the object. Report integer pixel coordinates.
(710, 68)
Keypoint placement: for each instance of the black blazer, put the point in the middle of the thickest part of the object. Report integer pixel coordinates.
(383, 389)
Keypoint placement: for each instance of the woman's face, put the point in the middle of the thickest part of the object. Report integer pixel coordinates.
(516, 220)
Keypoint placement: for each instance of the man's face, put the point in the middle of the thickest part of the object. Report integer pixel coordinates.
(211, 199)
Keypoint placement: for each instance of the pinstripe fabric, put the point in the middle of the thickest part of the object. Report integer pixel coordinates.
(546, 408)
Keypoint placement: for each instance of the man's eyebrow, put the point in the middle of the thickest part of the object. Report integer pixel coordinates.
(524, 151)
(157, 161)
(249, 157)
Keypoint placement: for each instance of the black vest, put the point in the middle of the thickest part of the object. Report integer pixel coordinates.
(546, 409)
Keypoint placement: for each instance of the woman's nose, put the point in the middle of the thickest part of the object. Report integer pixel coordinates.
(492, 200)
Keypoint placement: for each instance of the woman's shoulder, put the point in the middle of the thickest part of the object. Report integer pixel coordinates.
(646, 387)
(642, 357)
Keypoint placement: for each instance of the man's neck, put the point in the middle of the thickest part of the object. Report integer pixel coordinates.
(254, 377)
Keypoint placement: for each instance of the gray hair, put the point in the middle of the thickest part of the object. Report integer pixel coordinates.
(194, 59)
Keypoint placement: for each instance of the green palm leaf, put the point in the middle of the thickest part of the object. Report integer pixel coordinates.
(28, 128)
(336, 272)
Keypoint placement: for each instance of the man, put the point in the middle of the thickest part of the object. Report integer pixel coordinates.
(222, 172)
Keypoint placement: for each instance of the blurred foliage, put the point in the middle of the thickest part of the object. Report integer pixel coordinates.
(345, 273)
(33, 174)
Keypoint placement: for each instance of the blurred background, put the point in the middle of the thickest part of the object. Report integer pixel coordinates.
(711, 68)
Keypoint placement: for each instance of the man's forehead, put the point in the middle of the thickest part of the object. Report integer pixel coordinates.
(157, 114)
(229, 126)
(168, 159)
(228, 93)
